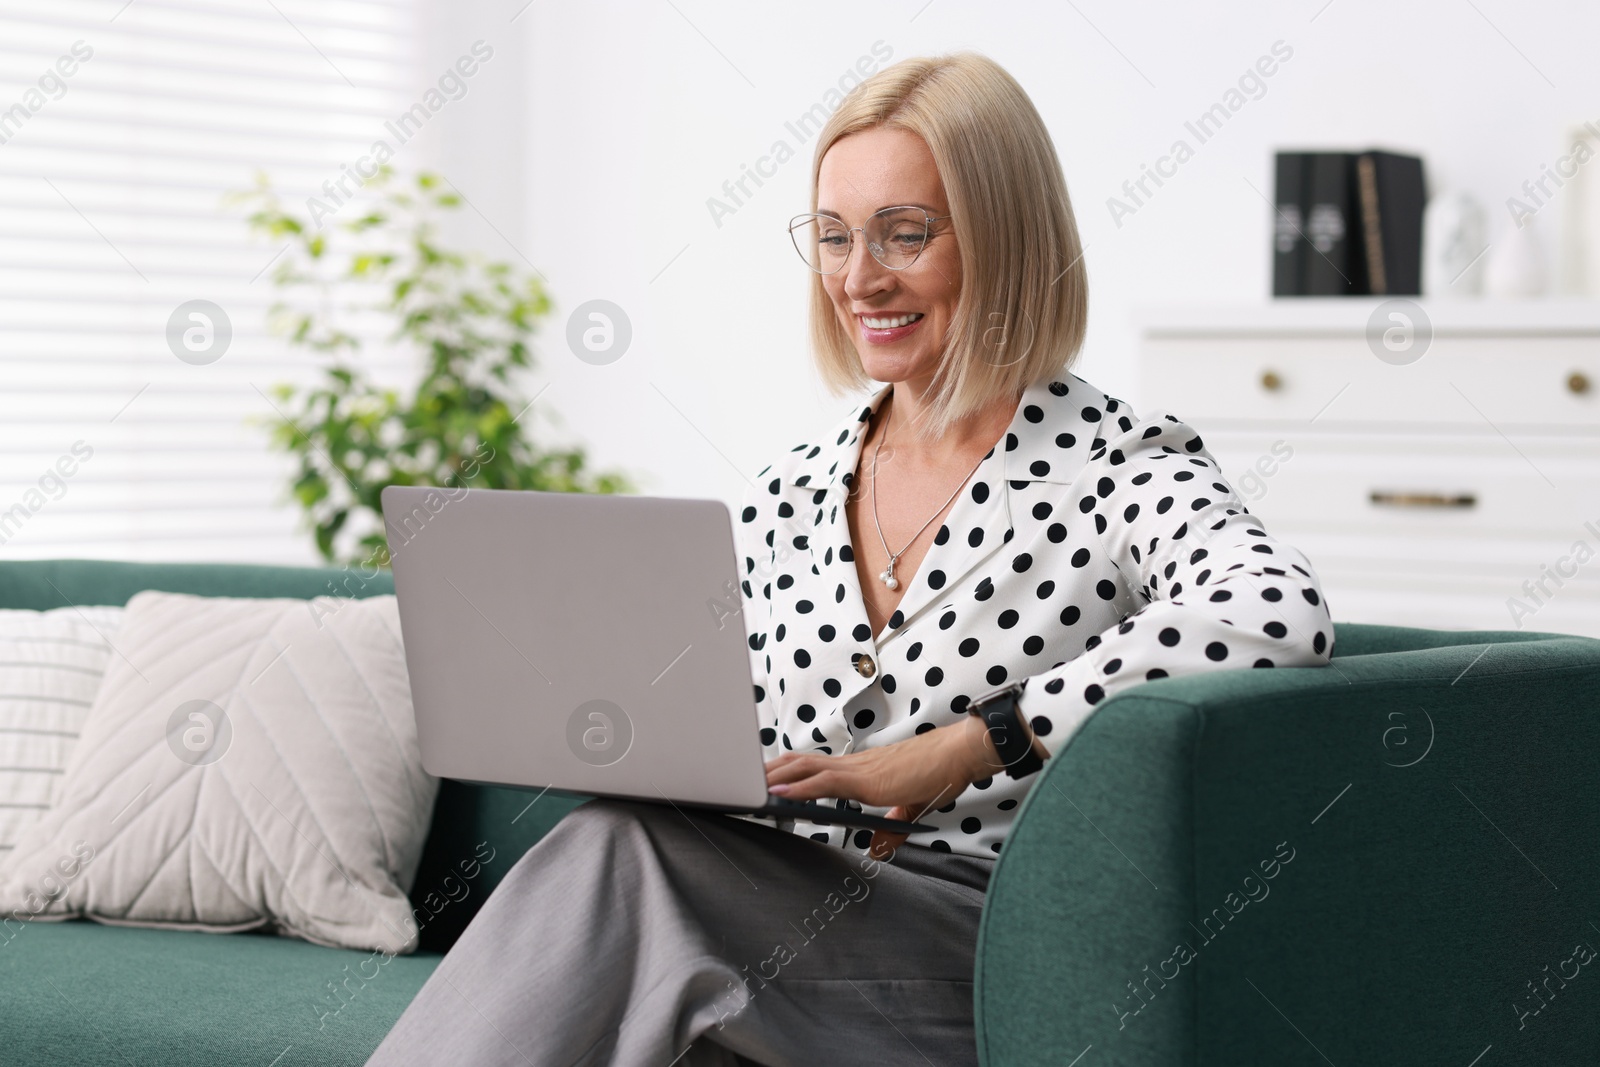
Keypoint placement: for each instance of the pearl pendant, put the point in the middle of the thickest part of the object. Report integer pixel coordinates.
(888, 579)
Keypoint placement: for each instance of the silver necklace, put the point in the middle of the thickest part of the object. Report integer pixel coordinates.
(887, 577)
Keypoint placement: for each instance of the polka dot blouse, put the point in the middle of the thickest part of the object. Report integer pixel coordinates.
(1091, 551)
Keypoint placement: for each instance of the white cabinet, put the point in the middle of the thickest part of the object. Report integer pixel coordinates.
(1460, 490)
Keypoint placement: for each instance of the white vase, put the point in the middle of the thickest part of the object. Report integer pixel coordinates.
(1455, 230)
(1516, 266)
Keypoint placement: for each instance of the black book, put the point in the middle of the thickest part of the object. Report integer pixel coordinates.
(1289, 248)
(1390, 190)
(1334, 263)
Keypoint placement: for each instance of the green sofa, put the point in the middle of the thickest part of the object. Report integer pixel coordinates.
(1424, 807)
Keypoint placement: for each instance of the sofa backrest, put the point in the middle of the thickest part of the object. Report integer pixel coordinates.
(477, 832)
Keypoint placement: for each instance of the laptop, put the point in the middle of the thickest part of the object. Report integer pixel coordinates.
(586, 644)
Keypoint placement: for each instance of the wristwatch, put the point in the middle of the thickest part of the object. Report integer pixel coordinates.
(1012, 738)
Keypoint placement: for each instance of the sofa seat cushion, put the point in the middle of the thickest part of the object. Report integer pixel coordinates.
(79, 993)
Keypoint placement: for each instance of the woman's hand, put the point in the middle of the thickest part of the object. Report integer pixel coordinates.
(910, 776)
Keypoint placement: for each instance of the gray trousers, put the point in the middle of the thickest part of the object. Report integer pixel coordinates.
(642, 935)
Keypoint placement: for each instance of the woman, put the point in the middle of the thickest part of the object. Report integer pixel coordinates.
(988, 525)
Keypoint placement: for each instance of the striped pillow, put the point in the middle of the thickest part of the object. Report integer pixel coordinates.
(51, 663)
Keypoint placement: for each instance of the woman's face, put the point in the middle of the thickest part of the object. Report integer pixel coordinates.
(863, 173)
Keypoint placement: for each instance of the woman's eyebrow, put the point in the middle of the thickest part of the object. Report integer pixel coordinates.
(834, 214)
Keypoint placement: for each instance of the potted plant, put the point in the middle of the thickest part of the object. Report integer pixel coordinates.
(467, 320)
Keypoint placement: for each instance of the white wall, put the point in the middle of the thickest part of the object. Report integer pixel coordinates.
(633, 114)
(591, 143)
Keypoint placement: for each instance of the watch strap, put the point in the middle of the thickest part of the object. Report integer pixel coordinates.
(1012, 740)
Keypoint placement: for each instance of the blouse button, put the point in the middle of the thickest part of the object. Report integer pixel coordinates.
(865, 667)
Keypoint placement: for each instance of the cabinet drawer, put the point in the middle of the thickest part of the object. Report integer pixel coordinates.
(1418, 495)
(1466, 383)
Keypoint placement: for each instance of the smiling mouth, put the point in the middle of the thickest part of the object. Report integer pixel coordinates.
(889, 322)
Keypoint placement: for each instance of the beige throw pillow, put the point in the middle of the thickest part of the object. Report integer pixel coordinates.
(245, 763)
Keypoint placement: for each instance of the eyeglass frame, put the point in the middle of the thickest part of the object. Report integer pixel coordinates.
(927, 225)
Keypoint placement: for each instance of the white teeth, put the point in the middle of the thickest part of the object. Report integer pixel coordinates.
(889, 324)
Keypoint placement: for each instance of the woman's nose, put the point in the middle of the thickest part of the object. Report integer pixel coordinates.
(863, 274)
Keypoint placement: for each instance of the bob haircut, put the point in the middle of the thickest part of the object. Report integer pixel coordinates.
(1023, 308)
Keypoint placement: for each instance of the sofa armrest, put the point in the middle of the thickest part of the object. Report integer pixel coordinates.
(1365, 862)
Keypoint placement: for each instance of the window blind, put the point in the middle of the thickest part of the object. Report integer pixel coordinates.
(122, 126)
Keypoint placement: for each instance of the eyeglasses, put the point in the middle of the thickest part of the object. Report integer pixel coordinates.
(895, 236)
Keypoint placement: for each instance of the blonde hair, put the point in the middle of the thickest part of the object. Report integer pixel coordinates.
(1021, 314)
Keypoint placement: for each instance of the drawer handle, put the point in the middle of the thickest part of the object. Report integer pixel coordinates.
(1423, 500)
(1578, 382)
(1272, 383)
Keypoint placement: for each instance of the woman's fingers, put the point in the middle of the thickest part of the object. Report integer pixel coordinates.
(796, 767)
(786, 758)
(884, 842)
(813, 785)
